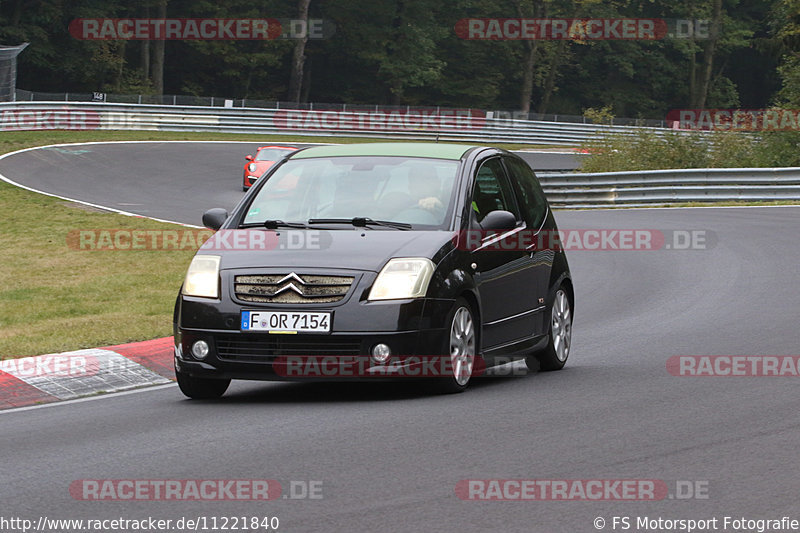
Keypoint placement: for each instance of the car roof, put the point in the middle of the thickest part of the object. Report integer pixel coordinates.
(278, 147)
(427, 150)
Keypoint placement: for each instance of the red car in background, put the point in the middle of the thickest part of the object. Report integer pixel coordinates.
(266, 156)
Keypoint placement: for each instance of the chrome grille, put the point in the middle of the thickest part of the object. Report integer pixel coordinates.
(291, 288)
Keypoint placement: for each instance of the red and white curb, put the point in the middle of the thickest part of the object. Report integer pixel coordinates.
(65, 376)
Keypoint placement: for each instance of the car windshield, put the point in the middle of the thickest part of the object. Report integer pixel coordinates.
(271, 154)
(416, 191)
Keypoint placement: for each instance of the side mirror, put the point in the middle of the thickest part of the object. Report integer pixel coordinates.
(249, 157)
(499, 220)
(215, 218)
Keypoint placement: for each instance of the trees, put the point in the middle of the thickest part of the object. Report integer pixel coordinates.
(298, 57)
(407, 52)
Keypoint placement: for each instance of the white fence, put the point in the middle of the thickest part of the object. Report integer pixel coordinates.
(410, 123)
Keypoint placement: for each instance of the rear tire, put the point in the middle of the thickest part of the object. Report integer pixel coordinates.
(460, 345)
(554, 355)
(201, 388)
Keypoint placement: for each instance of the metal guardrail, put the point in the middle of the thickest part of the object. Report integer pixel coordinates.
(654, 187)
(419, 124)
(568, 190)
(212, 101)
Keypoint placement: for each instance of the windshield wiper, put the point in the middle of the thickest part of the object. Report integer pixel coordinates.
(274, 224)
(361, 222)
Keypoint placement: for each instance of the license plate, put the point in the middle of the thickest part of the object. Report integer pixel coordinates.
(286, 322)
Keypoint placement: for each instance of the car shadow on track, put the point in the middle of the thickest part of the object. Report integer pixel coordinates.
(354, 391)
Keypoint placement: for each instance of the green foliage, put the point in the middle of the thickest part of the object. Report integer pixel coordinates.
(407, 52)
(645, 149)
(786, 20)
(602, 115)
(789, 95)
(778, 149)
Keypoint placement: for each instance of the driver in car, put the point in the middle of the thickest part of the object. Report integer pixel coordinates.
(425, 186)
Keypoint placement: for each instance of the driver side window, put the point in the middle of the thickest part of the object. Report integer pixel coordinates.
(492, 191)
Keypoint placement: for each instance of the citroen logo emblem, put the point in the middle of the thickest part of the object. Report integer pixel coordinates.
(290, 286)
(291, 278)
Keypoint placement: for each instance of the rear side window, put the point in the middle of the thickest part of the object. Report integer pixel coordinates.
(531, 195)
(492, 190)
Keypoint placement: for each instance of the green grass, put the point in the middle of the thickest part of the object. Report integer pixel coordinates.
(54, 297)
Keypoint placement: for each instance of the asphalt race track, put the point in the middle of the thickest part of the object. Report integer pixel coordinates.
(160, 180)
(390, 455)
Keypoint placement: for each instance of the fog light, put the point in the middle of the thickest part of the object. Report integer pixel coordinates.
(200, 349)
(381, 353)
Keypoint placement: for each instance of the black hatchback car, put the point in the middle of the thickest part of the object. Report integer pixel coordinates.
(377, 260)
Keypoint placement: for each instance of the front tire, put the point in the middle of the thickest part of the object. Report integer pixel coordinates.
(201, 388)
(555, 354)
(460, 345)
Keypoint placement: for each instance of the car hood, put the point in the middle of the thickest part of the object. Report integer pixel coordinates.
(361, 249)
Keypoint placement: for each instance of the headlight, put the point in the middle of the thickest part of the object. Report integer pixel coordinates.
(252, 167)
(202, 278)
(403, 278)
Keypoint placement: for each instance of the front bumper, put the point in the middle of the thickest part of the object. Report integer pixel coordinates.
(413, 329)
